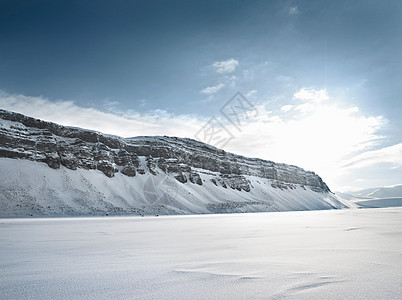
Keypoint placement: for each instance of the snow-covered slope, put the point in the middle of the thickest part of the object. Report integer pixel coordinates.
(48, 169)
(390, 196)
(29, 187)
(381, 192)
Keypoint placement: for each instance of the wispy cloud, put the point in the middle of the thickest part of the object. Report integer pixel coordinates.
(123, 123)
(286, 108)
(225, 66)
(143, 102)
(251, 93)
(212, 89)
(391, 155)
(311, 95)
(294, 10)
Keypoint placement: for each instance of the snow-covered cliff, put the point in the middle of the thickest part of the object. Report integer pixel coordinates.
(49, 169)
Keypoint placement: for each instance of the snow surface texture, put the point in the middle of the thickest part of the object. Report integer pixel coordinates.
(32, 188)
(335, 254)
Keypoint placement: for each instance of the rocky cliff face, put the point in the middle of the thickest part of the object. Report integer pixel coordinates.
(56, 145)
(186, 160)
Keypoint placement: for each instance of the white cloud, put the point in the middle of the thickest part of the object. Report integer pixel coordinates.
(353, 109)
(226, 66)
(311, 95)
(230, 80)
(318, 138)
(305, 107)
(322, 138)
(212, 89)
(143, 102)
(110, 104)
(391, 154)
(286, 108)
(251, 93)
(125, 124)
(294, 10)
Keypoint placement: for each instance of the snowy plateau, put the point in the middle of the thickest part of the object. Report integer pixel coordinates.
(327, 254)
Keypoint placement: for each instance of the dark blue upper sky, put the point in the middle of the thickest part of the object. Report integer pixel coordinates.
(160, 51)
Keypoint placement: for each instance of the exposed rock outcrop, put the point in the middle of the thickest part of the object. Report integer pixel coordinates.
(195, 178)
(23, 137)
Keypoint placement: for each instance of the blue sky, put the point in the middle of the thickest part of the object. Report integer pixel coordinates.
(171, 65)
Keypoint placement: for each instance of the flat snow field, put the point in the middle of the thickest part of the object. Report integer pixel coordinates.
(337, 254)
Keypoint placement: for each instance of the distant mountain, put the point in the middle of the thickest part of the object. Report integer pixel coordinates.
(49, 169)
(382, 192)
(389, 196)
(378, 192)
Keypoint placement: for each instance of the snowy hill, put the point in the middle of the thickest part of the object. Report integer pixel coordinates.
(49, 169)
(381, 192)
(390, 196)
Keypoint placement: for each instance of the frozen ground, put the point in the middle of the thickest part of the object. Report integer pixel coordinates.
(335, 254)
